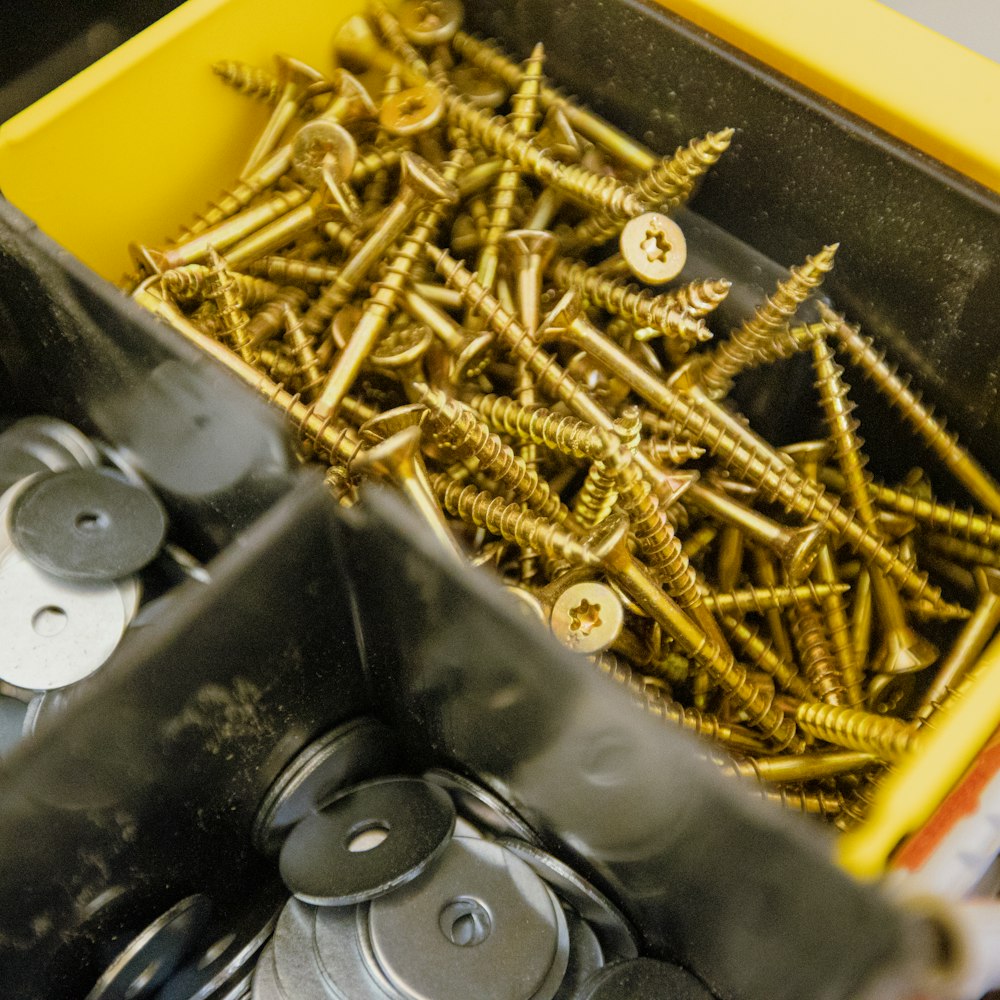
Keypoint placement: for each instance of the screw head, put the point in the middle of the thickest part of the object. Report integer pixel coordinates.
(558, 138)
(412, 111)
(316, 141)
(653, 247)
(479, 88)
(430, 22)
(587, 616)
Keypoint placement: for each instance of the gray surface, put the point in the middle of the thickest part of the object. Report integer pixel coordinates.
(974, 23)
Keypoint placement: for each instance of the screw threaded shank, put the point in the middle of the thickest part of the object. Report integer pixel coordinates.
(495, 134)
(882, 735)
(920, 416)
(509, 520)
(639, 305)
(742, 348)
(469, 434)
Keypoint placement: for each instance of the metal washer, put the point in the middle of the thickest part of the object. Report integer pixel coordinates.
(317, 861)
(264, 985)
(55, 632)
(644, 979)
(357, 750)
(153, 954)
(296, 963)
(87, 524)
(479, 918)
(586, 957)
(228, 950)
(609, 923)
(482, 806)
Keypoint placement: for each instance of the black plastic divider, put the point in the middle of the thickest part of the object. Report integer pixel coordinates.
(144, 790)
(75, 347)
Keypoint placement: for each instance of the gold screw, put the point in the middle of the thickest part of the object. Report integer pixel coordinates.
(749, 600)
(420, 187)
(469, 435)
(510, 521)
(639, 305)
(658, 703)
(488, 57)
(886, 737)
(805, 767)
(965, 524)
(740, 349)
(597, 496)
(267, 321)
(808, 456)
(763, 655)
(797, 548)
(970, 643)
(609, 545)
(523, 117)
(188, 283)
(224, 292)
(224, 235)
(397, 460)
(902, 650)
(816, 656)
(916, 413)
(287, 271)
(585, 186)
(666, 186)
(251, 81)
(527, 253)
(295, 78)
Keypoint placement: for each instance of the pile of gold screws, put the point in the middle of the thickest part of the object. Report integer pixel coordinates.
(456, 280)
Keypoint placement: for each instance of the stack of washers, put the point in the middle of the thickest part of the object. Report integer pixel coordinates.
(77, 527)
(403, 887)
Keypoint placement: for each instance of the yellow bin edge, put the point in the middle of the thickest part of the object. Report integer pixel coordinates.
(145, 136)
(914, 83)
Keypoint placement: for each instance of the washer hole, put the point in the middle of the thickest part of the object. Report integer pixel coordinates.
(466, 922)
(146, 980)
(89, 520)
(49, 621)
(367, 836)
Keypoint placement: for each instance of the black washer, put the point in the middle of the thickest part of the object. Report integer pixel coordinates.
(88, 524)
(415, 818)
(644, 979)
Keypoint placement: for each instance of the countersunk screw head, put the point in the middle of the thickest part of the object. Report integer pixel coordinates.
(587, 616)
(478, 87)
(653, 247)
(412, 111)
(317, 140)
(430, 22)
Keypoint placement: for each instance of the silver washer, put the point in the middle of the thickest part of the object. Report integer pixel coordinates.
(55, 633)
(264, 985)
(480, 919)
(151, 956)
(609, 923)
(296, 963)
(345, 955)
